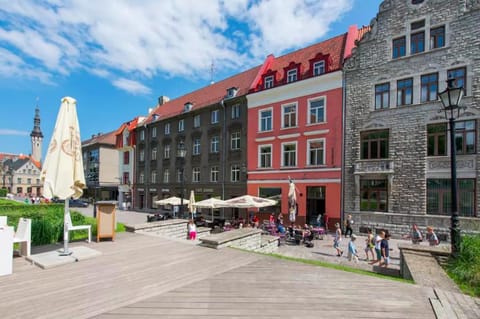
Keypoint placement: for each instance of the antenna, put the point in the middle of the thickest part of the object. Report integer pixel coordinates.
(212, 72)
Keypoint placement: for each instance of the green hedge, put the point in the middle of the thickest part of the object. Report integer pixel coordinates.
(3, 192)
(47, 222)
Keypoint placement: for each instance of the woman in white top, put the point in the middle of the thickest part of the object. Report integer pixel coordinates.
(192, 230)
(337, 239)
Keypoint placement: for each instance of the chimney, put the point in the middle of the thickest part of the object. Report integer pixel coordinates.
(163, 99)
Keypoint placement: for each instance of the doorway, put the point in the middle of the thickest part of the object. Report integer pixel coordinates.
(315, 204)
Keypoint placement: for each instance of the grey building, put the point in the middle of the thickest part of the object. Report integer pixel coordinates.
(210, 124)
(396, 156)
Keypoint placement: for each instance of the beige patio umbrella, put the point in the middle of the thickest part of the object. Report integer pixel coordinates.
(191, 204)
(62, 173)
(249, 201)
(211, 203)
(174, 201)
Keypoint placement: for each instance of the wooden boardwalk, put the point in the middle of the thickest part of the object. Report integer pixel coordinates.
(147, 277)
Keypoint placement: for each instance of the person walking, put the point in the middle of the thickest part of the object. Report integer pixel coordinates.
(348, 226)
(370, 245)
(192, 230)
(352, 249)
(432, 237)
(416, 235)
(384, 246)
(378, 248)
(337, 239)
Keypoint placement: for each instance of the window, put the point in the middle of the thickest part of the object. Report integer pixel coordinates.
(214, 144)
(214, 116)
(437, 37)
(316, 111)
(126, 178)
(265, 120)
(154, 153)
(460, 77)
(19, 180)
(141, 178)
(167, 128)
(265, 156)
(404, 92)
(181, 125)
(196, 175)
(142, 135)
(417, 42)
(154, 176)
(179, 175)
(166, 175)
(291, 75)
(429, 88)
(154, 132)
(268, 82)
(437, 139)
(235, 173)
(374, 196)
(382, 96)
(399, 47)
(374, 144)
(196, 121)
(316, 152)
(289, 157)
(142, 155)
(126, 158)
(289, 115)
(318, 68)
(439, 197)
(196, 146)
(166, 151)
(236, 111)
(29, 181)
(214, 173)
(235, 141)
(417, 1)
(465, 141)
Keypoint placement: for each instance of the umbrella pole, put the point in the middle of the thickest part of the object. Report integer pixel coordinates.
(65, 252)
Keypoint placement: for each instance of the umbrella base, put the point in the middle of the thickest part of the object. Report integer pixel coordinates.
(65, 253)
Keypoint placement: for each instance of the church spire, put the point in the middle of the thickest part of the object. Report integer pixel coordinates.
(36, 136)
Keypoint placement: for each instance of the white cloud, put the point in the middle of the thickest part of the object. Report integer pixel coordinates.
(115, 38)
(13, 132)
(131, 86)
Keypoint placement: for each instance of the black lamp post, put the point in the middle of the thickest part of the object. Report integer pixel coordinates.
(181, 152)
(450, 99)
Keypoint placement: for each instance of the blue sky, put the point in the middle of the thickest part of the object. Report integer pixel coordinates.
(116, 57)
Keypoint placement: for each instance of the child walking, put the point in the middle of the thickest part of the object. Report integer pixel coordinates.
(352, 249)
(337, 239)
(192, 230)
(370, 245)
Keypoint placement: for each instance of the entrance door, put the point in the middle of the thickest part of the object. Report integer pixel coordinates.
(315, 203)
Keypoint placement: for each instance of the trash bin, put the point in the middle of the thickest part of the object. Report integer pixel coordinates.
(106, 220)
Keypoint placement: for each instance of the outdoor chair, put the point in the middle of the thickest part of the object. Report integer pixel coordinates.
(70, 227)
(23, 235)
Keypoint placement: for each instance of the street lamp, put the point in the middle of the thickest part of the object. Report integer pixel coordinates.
(450, 99)
(181, 152)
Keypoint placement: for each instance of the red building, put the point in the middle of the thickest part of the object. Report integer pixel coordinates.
(295, 114)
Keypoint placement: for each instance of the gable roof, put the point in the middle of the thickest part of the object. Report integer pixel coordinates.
(208, 95)
(17, 160)
(105, 139)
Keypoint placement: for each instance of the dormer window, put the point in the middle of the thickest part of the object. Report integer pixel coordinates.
(187, 107)
(318, 68)
(291, 75)
(155, 117)
(268, 82)
(231, 92)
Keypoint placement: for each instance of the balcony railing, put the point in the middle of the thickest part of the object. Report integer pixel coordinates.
(382, 166)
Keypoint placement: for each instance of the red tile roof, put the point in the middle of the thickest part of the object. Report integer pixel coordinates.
(206, 96)
(362, 31)
(107, 138)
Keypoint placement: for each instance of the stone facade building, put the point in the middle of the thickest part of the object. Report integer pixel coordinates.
(396, 154)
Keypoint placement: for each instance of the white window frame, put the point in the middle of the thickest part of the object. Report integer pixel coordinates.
(214, 117)
(154, 132)
(235, 141)
(215, 144)
(179, 174)
(154, 153)
(141, 178)
(153, 177)
(142, 155)
(260, 147)
(142, 135)
(196, 146)
(236, 111)
(309, 142)
(166, 175)
(214, 174)
(181, 125)
(196, 175)
(283, 154)
(318, 68)
(261, 119)
(315, 99)
(235, 173)
(166, 151)
(284, 106)
(268, 82)
(196, 121)
(167, 128)
(292, 75)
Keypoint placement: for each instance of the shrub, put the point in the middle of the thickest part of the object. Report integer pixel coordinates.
(465, 269)
(3, 192)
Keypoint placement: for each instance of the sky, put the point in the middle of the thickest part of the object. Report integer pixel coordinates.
(116, 57)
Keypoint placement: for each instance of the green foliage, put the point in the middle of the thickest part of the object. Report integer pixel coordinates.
(3, 192)
(9, 202)
(465, 269)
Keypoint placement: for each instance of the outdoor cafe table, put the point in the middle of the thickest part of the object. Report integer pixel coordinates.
(318, 232)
